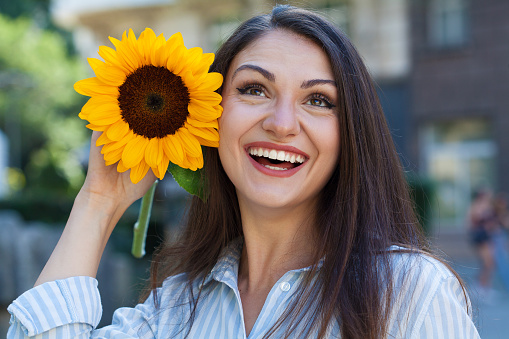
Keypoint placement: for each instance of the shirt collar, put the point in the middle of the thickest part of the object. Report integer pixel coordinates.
(227, 267)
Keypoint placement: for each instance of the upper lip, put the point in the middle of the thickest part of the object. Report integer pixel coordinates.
(276, 147)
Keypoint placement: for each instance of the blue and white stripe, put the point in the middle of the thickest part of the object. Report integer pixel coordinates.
(429, 303)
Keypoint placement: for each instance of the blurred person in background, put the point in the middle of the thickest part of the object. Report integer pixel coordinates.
(482, 223)
(500, 249)
(328, 247)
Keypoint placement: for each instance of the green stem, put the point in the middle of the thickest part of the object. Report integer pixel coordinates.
(141, 226)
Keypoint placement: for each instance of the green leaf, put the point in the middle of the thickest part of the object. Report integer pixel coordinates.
(188, 180)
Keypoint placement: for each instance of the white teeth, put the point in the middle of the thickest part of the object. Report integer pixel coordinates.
(281, 156)
(276, 168)
(277, 155)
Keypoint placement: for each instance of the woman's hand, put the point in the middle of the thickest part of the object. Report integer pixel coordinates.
(109, 186)
(102, 200)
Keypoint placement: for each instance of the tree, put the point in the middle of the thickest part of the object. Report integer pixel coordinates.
(39, 107)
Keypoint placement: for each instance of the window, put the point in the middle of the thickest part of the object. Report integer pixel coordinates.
(219, 32)
(337, 11)
(459, 156)
(447, 23)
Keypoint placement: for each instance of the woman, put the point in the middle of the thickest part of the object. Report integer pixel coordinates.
(482, 224)
(321, 243)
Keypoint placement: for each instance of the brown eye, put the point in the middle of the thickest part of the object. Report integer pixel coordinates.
(317, 102)
(254, 90)
(320, 100)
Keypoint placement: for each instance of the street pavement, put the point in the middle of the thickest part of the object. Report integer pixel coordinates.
(491, 310)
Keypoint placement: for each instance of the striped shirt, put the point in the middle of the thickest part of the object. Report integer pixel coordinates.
(429, 304)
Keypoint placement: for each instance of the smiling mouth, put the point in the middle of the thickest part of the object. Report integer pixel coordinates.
(274, 159)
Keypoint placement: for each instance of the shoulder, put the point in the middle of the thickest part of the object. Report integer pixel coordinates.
(173, 290)
(418, 275)
(406, 262)
(426, 296)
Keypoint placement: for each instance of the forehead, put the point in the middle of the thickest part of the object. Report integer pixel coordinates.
(282, 50)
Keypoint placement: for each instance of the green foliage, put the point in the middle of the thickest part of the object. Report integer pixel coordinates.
(423, 194)
(18, 8)
(188, 180)
(38, 108)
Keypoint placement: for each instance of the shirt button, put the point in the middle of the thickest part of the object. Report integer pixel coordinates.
(284, 286)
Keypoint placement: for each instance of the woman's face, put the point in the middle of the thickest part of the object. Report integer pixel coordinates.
(279, 134)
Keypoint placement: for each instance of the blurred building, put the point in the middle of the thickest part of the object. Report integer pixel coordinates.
(460, 99)
(379, 29)
(441, 68)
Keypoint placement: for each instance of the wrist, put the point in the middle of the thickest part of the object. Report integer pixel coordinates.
(106, 210)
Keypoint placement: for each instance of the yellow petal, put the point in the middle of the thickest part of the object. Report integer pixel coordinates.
(173, 149)
(205, 133)
(145, 42)
(197, 162)
(211, 82)
(96, 127)
(189, 80)
(191, 145)
(198, 123)
(206, 97)
(175, 59)
(128, 57)
(108, 74)
(206, 142)
(154, 152)
(112, 157)
(120, 167)
(191, 56)
(110, 56)
(103, 139)
(119, 144)
(104, 114)
(203, 112)
(139, 171)
(134, 151)
(95, 103)
(162, 168)
(118, 130)
(160, 52)
(93, 86)
(176, 39)
(202, 66)
(207, 59)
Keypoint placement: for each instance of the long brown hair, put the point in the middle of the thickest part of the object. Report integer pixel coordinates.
(365, 207)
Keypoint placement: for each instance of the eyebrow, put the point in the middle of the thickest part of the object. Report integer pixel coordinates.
(266, 74)
(271, 77)
(314, 82)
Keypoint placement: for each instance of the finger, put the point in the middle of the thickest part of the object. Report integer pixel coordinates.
(148, 180)
(95, 152)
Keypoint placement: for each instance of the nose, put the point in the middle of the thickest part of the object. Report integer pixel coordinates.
(282, 121)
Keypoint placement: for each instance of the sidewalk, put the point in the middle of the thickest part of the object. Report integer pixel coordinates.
(491, 312)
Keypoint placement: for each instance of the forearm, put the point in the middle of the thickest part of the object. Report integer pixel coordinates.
(81, 245)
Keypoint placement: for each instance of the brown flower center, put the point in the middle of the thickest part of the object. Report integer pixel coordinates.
(153, 102)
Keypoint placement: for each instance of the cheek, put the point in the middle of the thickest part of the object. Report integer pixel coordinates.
(330, 141)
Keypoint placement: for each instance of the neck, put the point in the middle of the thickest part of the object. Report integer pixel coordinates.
(275, 242)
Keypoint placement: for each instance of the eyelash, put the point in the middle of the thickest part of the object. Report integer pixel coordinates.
(325, 99)
(245, 88)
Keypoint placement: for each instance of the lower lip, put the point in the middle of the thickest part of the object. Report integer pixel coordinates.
(274, 173)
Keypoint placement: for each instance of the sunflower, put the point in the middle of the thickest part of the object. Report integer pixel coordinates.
(154, 102)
